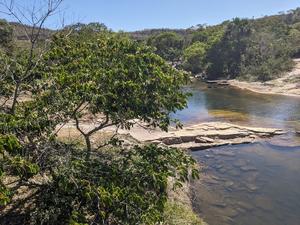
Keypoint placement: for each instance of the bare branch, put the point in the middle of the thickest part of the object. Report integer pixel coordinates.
(71, 117)
(102, 126)
(36, 18)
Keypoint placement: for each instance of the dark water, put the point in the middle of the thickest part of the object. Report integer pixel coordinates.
(253, 184)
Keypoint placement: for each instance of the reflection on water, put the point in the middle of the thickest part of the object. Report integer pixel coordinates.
(253, 184)
(230, 104)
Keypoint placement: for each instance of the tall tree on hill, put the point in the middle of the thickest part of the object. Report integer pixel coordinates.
(225, 57)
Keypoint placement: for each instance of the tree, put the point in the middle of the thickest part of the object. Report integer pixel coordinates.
(128, 187)
(195, 55)
(85, 31)
(6, 36)
(209, 35)
(194, 58)
(113, 78)
(225, 57)
(265, 57)
(120, 83)
(294, 39)
(167, 44)
(22, 74)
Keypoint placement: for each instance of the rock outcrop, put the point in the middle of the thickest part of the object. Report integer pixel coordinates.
(207, 135)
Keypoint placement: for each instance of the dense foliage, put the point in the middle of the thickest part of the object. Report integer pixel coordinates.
(167, 44)
(252, 49)
(86, 72)
(128, 187)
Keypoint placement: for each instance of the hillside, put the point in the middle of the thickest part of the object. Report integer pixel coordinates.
(249, 49)
(19, 31)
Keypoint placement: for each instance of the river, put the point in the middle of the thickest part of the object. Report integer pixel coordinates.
(251, 184)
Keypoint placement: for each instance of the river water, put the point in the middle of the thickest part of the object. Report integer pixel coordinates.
(250, 184)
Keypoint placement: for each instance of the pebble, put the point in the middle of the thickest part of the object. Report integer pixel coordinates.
(209, 156)
(228, 184)
(230, 212)
(251, 187)
(245, 205)
(222, 170)
(233, 172)
(247, 168)
(218, 166)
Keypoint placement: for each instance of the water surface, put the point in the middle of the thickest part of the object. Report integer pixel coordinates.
(249, 185)
(252, 184)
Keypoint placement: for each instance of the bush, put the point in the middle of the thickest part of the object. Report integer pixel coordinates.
(127, 187)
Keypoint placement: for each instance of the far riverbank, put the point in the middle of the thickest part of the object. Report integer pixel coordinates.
(288, 84)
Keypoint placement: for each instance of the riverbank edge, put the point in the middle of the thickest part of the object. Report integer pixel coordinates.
(288, 84)
(179, 207)
(257, 86)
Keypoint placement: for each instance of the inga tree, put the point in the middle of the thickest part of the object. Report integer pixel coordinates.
(120, 83)
(111, 77)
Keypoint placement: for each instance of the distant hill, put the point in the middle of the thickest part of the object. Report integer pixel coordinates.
(252, 49)
(144, 34)
(19, 31)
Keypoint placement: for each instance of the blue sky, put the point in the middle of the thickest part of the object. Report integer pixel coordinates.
(130, 15)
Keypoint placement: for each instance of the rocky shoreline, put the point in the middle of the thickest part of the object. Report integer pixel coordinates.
(207, 135)
(195, 137)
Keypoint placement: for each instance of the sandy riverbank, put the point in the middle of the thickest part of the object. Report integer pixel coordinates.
(288, 84)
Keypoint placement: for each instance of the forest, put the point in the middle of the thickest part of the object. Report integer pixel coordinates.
(248, 49)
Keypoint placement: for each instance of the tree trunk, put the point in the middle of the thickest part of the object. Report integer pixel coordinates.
(15, 97)
(88, 146)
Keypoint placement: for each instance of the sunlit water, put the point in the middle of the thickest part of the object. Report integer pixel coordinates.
(252, 184)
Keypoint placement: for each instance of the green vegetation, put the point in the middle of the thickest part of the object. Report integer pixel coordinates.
(86, 71)
(250, 49)
(178, 214)
(167, 44)
(200, 44)
(6, 36)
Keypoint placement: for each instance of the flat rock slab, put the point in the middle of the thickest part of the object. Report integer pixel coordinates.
(213, 134)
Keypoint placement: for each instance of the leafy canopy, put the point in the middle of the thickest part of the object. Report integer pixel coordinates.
(117, 81)
(167, 44)
(115, 77)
